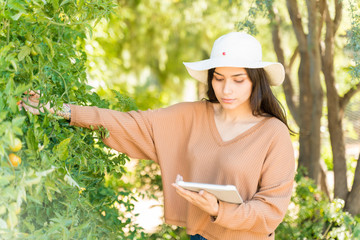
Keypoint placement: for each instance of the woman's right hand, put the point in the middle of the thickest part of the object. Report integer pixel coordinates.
(31, 104)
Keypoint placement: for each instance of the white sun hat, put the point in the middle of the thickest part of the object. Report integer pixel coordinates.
(236, 49)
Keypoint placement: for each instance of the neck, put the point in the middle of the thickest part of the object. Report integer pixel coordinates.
(242, 114)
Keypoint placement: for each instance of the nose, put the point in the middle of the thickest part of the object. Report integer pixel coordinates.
(227, 88)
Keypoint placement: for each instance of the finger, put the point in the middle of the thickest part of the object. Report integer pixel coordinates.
(208, 196)
(184, 193)
(32, 96)
(178, 188)
(204, 194)
(30, 108)
(31, 92)
(182, 190)
(185, 196)
(190, 196)
(179, 178)
(30, 103)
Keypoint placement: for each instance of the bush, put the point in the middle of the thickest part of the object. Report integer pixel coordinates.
(68, 184)
(312, 216)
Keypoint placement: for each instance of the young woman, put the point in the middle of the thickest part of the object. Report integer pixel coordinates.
(238, 136)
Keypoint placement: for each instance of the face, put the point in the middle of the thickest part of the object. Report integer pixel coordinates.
(232, 87)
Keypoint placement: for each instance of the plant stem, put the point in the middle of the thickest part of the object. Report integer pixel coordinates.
(8, 33)
(327, 230)
(65, 86)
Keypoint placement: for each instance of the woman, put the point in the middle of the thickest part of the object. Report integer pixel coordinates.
(239, 136)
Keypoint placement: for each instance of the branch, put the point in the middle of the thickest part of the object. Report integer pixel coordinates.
(293, 57)
(322, 6)
(313, 23)
(334, 24)
(287, 85)
(348, 95)
(356, 181)
(338, 14)
(297, 23)
(353, 196)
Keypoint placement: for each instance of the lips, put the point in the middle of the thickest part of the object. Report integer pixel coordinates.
(227, 100)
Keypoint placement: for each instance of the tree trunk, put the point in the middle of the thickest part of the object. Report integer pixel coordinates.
(311, 94)
(336, 137)
(287, 84)
(335, 124)
(353, 199)
(335, 115)
(305, 117)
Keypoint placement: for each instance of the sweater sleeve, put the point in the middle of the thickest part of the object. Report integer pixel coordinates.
(267, 208)
(130, 132)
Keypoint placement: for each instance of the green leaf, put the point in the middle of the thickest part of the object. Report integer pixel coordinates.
(16, 16)
(55, 4)
(90, 30)
(38, 49)
(49, 43)
(49, 194)
(18, 121)
(14, 4)
(46, 140)
(9, 87)
(11, 101)
(29, 225)
(20, 89)
(61, 150)
(3, 115)
(25, 51)
(17, 131)
(64, 2)
(13, 63)
(71, 181)
(31, 141)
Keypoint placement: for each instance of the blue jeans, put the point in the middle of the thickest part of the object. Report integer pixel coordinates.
(197, 237)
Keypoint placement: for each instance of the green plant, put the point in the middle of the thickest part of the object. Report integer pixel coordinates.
(313, 216)
(68, 185)
(169, 233)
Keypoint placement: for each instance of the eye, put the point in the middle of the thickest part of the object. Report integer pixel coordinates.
(218, 79)
(239, 80)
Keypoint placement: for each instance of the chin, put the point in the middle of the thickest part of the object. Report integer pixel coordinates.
(229, 106)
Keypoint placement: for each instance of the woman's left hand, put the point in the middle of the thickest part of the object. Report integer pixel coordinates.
(203, 200)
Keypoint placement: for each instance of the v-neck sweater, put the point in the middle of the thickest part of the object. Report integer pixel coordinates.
(183, 139)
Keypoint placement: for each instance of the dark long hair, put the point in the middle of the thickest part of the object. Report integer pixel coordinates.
(262, 100)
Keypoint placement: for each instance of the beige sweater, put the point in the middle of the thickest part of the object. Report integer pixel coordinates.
(184, 140)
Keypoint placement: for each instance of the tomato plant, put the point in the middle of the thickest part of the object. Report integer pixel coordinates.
(16, 145)
(68, 185)
(14, 159)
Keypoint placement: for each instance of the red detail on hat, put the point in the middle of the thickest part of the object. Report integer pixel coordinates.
(224, 53)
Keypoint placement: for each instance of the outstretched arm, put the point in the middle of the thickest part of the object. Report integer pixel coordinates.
(130, 133)
(32, 104)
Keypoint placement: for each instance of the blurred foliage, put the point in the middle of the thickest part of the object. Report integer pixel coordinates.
(249, 23)
(353, 35)
(140, 49)
(147, 179)
(312, 216)
(167, 232)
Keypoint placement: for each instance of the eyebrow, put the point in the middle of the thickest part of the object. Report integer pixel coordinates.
(235, 75)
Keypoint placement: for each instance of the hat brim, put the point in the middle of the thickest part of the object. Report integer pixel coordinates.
(275, 71)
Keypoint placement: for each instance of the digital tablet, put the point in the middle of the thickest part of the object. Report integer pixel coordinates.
(226, 193)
